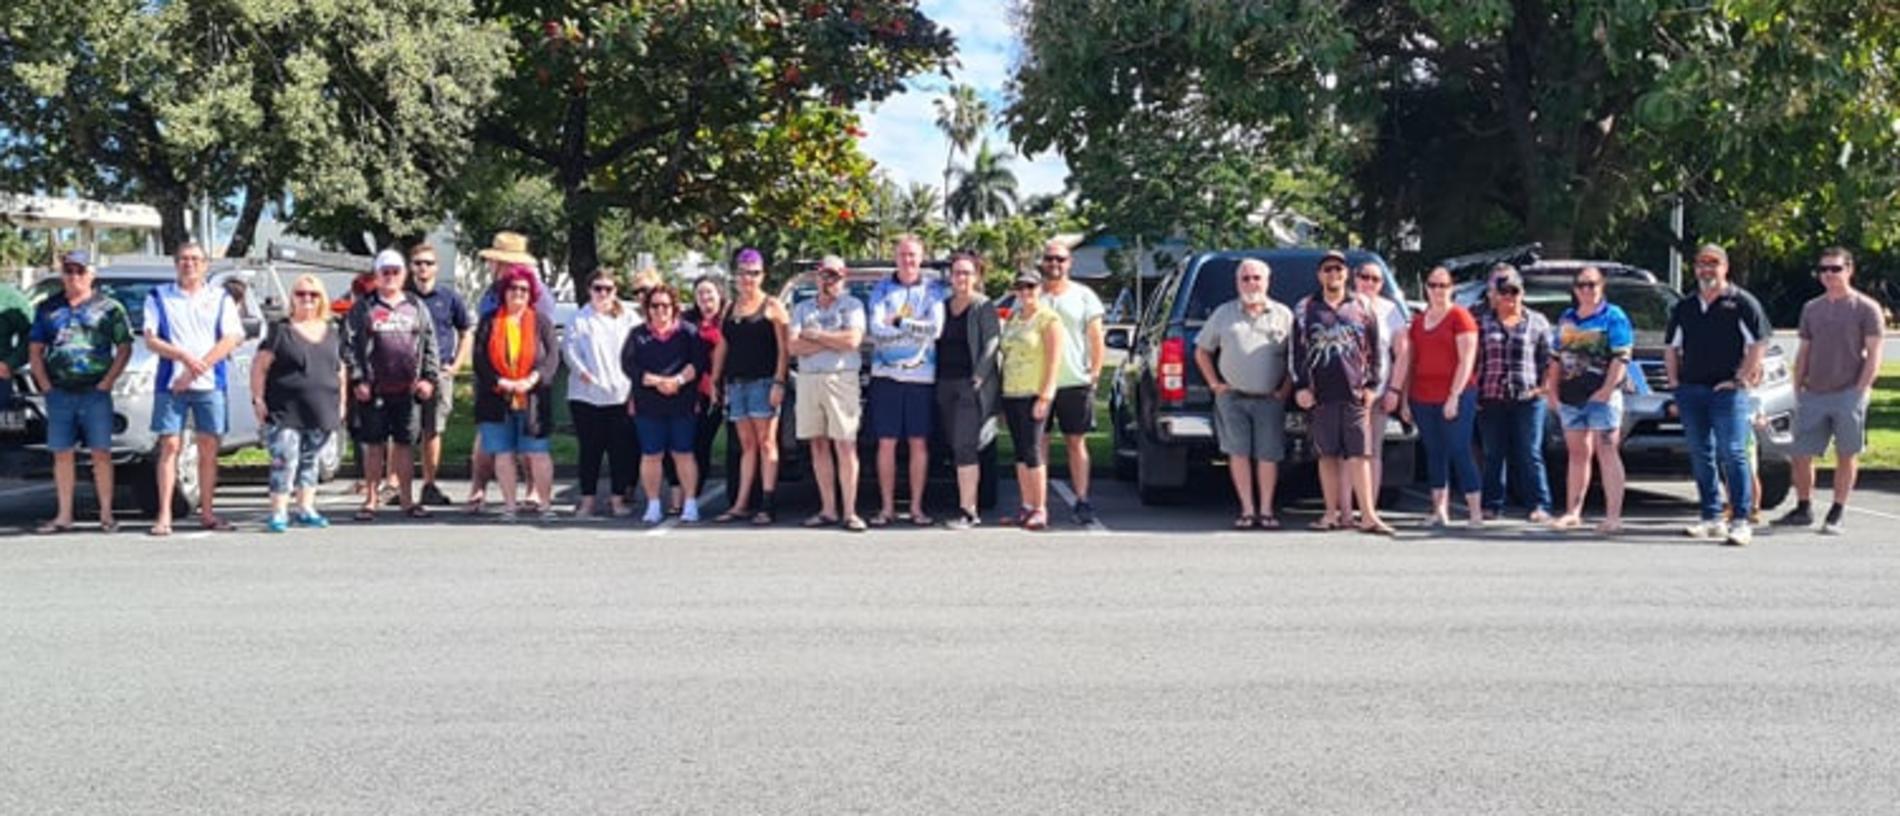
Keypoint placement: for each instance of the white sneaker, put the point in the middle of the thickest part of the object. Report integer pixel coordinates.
(654, 514)
(1712, 530)
(1739, 535)
(689, 514)
(1832, 528)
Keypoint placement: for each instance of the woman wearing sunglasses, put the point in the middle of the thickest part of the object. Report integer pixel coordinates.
(1513, 351)
(1432, 384)
(297, 382)
(515, 360)
(597, 392)
(662, 359)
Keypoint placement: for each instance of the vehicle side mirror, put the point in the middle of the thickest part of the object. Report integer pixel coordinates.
(1117, 338)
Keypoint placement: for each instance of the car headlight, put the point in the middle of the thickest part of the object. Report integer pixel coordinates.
(133, 384)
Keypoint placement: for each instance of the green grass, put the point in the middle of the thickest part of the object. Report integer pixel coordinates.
(1883, 424)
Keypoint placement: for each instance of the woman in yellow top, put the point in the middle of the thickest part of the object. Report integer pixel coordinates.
(1032, 343)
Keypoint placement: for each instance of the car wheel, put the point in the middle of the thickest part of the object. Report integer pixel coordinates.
(1148, 467)
(1776, 479)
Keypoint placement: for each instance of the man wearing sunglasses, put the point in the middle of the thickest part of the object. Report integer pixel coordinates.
(448, 315)
(1833, 379)
(1336, 336)
(80, 343)
(1715, 342)
(1084, 347)
(389, 348)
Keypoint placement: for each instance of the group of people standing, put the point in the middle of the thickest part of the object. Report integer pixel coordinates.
(1499, 376)
(663, 380)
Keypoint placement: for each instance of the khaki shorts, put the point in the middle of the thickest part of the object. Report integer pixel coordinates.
(827, 405)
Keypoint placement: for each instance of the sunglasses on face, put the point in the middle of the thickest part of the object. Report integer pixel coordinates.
(1371, 277)
(420, 262)
(1509, 291)
(1251, 278)
(1823, 269)
(1055, 259)
(1437, 285)
(1331, 269)
(747, 273)
(74, 271)
(1587, 284)
(660, 305)
(308, 295)
(604, 288)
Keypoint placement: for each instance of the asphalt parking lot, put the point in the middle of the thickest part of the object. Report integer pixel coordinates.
(1156, 663)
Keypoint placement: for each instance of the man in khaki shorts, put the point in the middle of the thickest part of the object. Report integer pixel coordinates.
(1833, 377)
(824, 336)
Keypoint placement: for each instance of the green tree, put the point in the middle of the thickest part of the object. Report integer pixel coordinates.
(986, 190)
(635, 106)
(355, 109)
(961, 115)
(918, 207)
(1558, 120)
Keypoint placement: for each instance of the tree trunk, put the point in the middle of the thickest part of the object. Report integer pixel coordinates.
(583, 233)
(172, 231)
(245, 233)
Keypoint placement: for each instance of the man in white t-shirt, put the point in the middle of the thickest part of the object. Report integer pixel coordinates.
(193, 327)
(1084, 347)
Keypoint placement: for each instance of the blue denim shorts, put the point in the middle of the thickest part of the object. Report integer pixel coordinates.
(207, 410)
(75, 415)
(750, 399)
(665, 434)
(511, 436)
(293, 457)
(1593, 416)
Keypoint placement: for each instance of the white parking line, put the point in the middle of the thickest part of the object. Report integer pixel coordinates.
(1068, 497)
(1874, 513)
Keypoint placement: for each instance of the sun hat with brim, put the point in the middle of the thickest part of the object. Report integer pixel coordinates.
(508, 247)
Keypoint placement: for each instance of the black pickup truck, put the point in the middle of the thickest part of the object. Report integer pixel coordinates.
(1160, 410)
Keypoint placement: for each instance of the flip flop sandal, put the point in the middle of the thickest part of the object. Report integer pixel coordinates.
(1378, 529)
(762, 518)
(159, 531)
(216, 524)
(109, 526)
(921, 520)
(819, 520)
(1245, 522)
(731, 516)
(475, 507)
(365, 514)
(417, 511)
(1266, 523)
(881, 520)
(1323, 524)
(854, 525)
(53, 527)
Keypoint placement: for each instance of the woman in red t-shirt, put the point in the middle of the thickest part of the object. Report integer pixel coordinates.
(1433, 385)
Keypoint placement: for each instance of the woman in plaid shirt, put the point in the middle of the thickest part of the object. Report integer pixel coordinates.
(1513, 351)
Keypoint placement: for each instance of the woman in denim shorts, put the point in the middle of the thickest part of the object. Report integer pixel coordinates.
(297, 391)
(750, 362)
(515, 360)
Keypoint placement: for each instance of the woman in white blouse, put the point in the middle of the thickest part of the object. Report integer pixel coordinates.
(597, 392)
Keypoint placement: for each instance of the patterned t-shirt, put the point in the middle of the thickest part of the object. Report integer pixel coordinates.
(1585, 347)
(1024, 360)
(81, 340)
(1334, 348)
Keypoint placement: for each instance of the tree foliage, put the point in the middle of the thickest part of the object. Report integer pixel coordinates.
(986, 190)
(1559, 122)
(647, 107)
(355, 109)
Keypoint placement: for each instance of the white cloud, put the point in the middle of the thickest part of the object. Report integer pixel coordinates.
(903, 133)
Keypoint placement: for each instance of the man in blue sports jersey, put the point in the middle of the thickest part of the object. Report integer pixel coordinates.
(193, 327)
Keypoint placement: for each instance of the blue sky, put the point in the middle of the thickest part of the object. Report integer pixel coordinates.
(903, 133)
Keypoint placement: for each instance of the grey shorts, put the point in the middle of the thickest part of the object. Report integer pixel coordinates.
(1338, 429)
(1840, 416)
(1251, 426)
(435, 412)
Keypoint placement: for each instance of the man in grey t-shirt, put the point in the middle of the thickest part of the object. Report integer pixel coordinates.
(1833, 377)
(1242, 354)
(824, 335)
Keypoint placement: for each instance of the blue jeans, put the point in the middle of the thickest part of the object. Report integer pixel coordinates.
(1448, 444)
(293, 457)
(1513, 434)
(1715, 426)
(75, 416)
(206, 409)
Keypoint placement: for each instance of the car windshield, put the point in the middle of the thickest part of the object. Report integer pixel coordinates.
(1646, 304)
(129, 292)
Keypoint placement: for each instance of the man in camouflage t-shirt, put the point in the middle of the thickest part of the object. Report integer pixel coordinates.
(79, 345)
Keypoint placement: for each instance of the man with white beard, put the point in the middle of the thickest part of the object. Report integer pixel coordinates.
(1242, 354)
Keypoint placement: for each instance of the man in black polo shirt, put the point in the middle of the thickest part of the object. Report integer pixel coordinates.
(1716, 339)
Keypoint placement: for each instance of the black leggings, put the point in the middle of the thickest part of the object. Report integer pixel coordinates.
(603, 429)
(1025, 431)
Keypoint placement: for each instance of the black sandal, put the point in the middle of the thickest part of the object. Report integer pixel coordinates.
(1245, 521)
(1266, 522)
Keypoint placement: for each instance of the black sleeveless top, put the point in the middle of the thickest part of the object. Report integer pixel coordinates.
(751, 345)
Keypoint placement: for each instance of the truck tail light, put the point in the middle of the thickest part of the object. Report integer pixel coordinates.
(1172, 370)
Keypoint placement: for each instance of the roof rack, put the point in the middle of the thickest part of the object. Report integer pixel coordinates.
(339, 261)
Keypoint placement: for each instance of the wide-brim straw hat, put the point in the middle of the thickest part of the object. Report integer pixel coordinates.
(508, 247)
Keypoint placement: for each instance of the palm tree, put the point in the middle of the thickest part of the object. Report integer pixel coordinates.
(961, 116)
(917, 206)
(986, 190)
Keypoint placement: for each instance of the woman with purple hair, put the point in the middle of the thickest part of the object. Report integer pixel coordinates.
(515, 360)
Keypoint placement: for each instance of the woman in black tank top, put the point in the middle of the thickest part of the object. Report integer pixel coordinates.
(749, 373)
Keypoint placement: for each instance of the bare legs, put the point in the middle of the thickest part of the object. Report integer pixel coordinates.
(1247, 474)
(1582, 446)
(887, 475)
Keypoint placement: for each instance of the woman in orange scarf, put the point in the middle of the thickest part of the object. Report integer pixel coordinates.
(515, 361)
